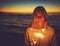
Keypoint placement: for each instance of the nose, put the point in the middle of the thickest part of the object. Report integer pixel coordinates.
(39, 20)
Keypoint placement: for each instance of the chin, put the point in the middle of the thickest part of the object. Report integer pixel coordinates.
(40, 27)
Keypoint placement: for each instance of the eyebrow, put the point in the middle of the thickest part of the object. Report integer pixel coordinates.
(39, 16)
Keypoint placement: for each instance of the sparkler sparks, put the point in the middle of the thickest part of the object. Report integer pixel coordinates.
(39, 35)
(43, 30)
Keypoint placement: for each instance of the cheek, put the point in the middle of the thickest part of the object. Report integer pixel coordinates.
(42, 20)
(35, 19)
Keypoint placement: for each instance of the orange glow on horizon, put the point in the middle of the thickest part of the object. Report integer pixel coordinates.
(17, 10)
(52, 9)
(27, 10)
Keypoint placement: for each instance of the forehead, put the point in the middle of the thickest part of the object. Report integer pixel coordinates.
(39, 13)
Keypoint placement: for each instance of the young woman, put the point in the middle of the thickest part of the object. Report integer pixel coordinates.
(40, 33)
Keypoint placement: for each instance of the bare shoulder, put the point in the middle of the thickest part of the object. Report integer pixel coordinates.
(28, 29)
(51, 29)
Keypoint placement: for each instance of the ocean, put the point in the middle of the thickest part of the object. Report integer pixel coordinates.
(13, 26)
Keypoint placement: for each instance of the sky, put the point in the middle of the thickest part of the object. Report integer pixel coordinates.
(27, 6)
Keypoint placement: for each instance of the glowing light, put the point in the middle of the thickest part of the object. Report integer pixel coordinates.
(43, 30)
(39, 35)
(34, 42)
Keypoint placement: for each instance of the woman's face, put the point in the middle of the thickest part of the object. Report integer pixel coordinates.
(39, 19)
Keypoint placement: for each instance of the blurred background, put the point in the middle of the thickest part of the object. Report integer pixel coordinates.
(16, 16)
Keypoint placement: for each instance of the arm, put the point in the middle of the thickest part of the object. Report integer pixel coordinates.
(27, 41)
(53, 41)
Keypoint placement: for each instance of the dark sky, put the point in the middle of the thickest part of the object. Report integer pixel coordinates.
(29, 3)
(7, 2)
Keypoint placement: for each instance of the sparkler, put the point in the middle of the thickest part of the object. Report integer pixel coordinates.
(39, 35)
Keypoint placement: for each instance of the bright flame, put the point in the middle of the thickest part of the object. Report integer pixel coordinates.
(34, 42)
(39, 35)
(43, 29)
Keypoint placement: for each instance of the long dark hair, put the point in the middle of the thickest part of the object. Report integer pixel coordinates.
(40, 9)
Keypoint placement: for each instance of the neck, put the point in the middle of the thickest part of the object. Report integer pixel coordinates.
(34, 26)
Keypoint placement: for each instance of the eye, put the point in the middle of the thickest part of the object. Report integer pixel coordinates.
(40, 17)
